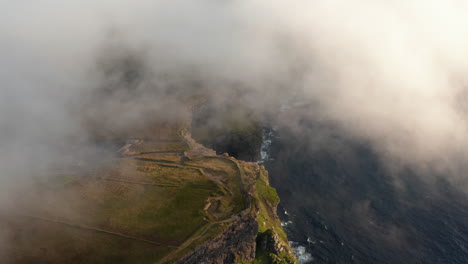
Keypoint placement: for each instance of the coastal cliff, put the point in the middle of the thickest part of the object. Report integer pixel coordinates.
(256, 236)
(159, 197)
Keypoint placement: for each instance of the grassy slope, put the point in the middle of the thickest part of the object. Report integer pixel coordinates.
(150, 206)
(132, 211)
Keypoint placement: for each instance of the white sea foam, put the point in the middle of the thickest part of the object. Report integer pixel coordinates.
(265, 147)
(301, 253)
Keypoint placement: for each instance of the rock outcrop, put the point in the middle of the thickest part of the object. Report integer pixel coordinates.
(235, 244)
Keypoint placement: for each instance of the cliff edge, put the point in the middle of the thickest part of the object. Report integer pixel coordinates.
(160, 198)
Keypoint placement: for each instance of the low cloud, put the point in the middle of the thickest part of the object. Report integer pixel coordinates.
(391, 73)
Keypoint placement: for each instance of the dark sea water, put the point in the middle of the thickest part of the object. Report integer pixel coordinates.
(339, 201)
(340, 204)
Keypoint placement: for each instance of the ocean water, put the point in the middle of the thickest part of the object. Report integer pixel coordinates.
(339, 203)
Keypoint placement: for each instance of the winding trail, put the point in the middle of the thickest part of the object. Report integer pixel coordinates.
(181, 164)
(199, 234)
(140, 183)
(99, 230)
(204, 229)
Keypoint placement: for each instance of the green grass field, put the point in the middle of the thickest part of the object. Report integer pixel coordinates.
(153, 205)
(131, 211)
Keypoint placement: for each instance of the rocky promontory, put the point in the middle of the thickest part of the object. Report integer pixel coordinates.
(156, 197)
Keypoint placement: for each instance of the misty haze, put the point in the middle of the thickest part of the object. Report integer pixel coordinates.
(237, 131)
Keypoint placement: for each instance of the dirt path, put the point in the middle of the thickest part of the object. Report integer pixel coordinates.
(204, 229)
(98, 230)
(199, 234)
(210, 176)
(153, 152)
(141, 183)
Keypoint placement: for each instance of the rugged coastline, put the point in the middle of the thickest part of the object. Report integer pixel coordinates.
(160, 197)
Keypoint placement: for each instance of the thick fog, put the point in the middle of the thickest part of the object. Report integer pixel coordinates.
(388, 72)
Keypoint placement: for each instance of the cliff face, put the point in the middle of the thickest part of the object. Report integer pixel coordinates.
(256, 235)
(228, 128)
(235, 244)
